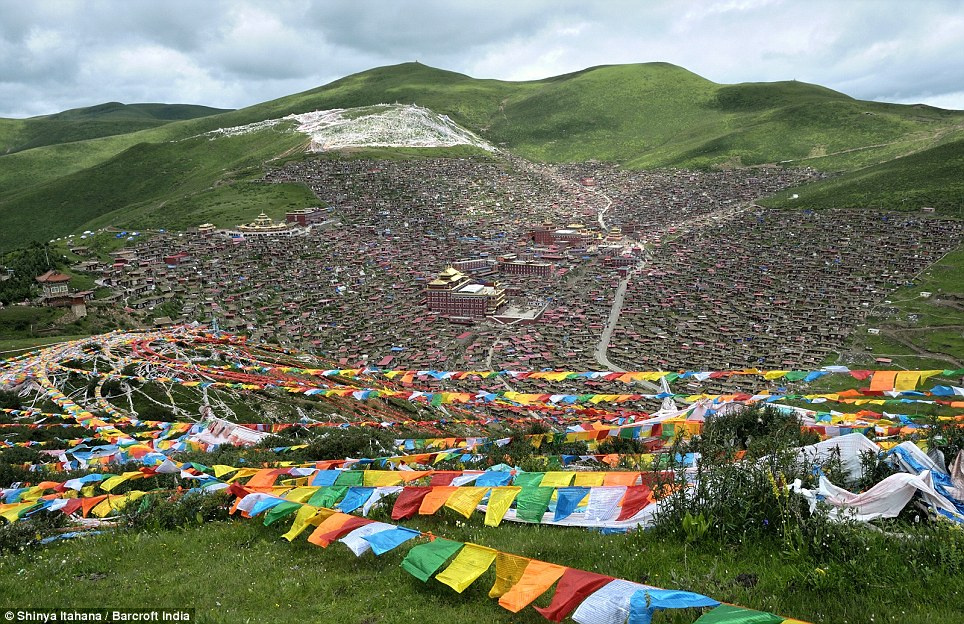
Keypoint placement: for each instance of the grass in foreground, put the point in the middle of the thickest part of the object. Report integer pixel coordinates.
(241, 571)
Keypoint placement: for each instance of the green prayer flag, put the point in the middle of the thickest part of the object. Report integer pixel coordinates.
(728, 614)
(528, 479)
(328, 497)
(280, 511)
(532, 502)
(351, 477)
(425, 559)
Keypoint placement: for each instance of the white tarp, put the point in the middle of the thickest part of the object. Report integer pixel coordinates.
(850, 446)
(884, 500)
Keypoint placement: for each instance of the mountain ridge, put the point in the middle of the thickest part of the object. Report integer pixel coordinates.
(645, 115)
(91, 122)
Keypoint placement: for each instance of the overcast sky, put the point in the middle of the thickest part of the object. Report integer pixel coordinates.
(60, 54)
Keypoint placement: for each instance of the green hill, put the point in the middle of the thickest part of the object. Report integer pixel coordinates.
(103, 120)
(932, 177)
(644, 115)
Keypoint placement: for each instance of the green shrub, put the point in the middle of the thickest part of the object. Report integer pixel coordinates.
(354, 442)
(160, 511)
(22, 534)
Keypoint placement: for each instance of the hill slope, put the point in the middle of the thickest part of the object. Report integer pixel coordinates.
(645, 115)
(79, 124)
(932, 177)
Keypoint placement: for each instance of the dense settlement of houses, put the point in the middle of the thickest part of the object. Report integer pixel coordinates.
(479, 264)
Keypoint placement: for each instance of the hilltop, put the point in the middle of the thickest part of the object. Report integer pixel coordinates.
(642, 116)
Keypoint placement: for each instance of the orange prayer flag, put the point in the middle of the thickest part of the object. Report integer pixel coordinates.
(883, 380)
(89, 503)
(537, 578)
(620, 478)
(434, 500)
(332, 523)
(413, 475)
(264, 478)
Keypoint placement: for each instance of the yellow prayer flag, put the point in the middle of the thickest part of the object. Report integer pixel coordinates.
(116, 503)
(109, 484)
(301, 494)
(380, 478)
(244, 472)
(102, 508)
(906, 380)
(925, 375)
(220, 470)
(11, 512)
(32, 494)
(471, 562)
(499, 502)
(465, 499)
(508, 571)
(557, 479)
(774, 374)
(306, 516)
(589, 479)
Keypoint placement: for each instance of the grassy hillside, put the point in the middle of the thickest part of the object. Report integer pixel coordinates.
(143, 178)
(932, 177)
(645, 115)
(225, 205)
(103, 120)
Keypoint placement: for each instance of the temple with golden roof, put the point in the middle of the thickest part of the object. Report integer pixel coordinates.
(265, 226)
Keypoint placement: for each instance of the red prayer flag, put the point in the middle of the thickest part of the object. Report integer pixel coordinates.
(327, 538)
(574, 587)
(637, 497)
(409, 501)
(443, 477)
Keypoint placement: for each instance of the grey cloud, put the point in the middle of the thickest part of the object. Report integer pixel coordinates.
(56, 54)
(435, 27)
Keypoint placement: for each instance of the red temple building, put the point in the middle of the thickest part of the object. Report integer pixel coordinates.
(455, 294)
